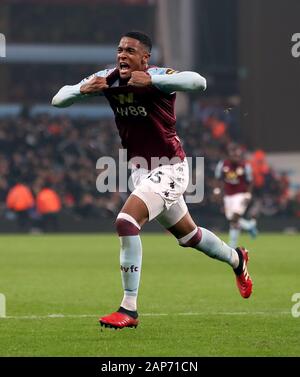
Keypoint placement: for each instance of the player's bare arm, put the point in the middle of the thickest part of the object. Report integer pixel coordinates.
(95, 85)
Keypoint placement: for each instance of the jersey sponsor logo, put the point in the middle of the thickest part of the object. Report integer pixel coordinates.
(132, 111)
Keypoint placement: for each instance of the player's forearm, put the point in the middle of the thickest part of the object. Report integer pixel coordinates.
(67, 95)
(182, 81)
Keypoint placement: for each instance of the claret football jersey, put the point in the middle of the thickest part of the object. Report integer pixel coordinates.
(145, 117)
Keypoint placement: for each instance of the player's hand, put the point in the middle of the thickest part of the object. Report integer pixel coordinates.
(95, 85)
(140, 79)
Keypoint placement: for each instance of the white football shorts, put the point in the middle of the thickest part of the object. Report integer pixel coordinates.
(162, 189)
(236, 204)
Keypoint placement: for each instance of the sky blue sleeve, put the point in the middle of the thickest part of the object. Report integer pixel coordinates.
(161, 71)
(248, 172)
(103, 73)
(218, 170)
(70, 94)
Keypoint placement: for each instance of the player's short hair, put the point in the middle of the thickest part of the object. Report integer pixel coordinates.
(140, 36)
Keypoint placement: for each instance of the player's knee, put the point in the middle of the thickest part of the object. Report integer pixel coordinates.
(235, 218)
(192, 239)
(234, 224)
(126, 225)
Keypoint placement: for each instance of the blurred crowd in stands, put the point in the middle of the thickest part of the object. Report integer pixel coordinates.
(58, 154)
(60, 22)
(40, 90)
(48, 166)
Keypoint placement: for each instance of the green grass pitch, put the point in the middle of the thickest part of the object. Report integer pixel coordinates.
(56, 287)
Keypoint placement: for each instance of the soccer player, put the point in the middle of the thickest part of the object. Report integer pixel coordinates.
(142, 98)
(236, 176)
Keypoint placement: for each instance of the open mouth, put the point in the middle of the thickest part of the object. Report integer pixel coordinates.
(124, 68)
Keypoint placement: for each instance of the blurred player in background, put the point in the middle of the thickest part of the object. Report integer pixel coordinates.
(142, 98)
(236, 177)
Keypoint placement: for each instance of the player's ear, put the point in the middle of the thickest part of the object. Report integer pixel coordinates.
(146, 57)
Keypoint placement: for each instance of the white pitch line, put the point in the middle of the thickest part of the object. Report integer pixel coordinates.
(50, 316)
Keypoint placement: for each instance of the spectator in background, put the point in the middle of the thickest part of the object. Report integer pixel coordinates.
(294, 205)
(20, 200)
(48, 205)
(284, 191)
(260, 168)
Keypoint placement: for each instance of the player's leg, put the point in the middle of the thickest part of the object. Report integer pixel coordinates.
(235, 208)
(131, 218)
(134, 214)
(128, 224)
(234, 230)
(231, 206)
(249, 225)
(189, 235)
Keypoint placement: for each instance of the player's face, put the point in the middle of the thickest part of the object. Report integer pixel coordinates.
(235, 154)
(132, 56)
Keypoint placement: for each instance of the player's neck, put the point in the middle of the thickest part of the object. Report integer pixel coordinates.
(123, 82)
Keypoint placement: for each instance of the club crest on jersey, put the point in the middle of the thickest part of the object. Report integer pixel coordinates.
(124, 98)
(231, 175)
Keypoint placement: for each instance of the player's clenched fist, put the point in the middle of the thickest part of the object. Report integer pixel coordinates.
(95, 85)
(140, 78)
